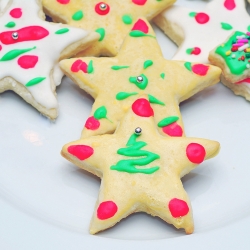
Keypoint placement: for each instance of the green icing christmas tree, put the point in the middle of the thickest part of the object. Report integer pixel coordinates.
(133, 149)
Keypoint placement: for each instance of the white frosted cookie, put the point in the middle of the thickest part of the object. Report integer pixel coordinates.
(111, 18)
(30, 49)
(140, 169)
(139, 68)
(233, 57)
(197, 32)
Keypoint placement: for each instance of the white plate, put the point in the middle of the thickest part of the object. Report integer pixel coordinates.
(47, 203)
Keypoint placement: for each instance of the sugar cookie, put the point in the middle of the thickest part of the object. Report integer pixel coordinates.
(29, 53)
(197, 32)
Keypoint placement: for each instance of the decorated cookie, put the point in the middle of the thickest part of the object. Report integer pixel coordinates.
(29, 52)
(111, 18)
(139, 68)
(197, 32)
(139, 175)
(233, 57)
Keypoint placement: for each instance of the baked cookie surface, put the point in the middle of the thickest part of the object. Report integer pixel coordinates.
(111, 18)
(138, 174)
(139, 68)
(30, 49)
(197, 32)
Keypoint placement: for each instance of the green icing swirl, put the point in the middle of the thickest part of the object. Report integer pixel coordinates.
(62, 31)
(78, 15)
(134, 150)
(167, 121)
(226, 26)
(141, 85)
(116, 67)
(127, 19)
(154, 100)
(100, 113)
(147, 64)
(14, 53)
(102, 33)
(138, 33)
(124, 95)
(35, 81)
(10, 25)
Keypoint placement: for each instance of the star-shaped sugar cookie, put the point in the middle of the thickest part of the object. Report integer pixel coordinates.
(197, 32)
(140, 170)
(139, 68)
(29, 52)
(111, 18)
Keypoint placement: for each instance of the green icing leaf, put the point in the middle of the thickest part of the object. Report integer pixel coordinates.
(188, 66)
(119, 67)
(154, 100)
(123, 95)
(90, 67)
(62, 31)
(138, 33)
(14, 53)
(78, 16)
(10, 25)
(127, 19)
(141, 85)
(100, 113)
(226, 26)
(147, 64)
(167, 121)
(162, 75)
(35, 81)
(102, 33)
(192, 14)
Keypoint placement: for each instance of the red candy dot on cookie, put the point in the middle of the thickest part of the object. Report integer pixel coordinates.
(82, 152)
(178, 208)
(173, 129)
(141, 25)
(141, 107)
(200, 69)
(102, 8)
(195, 153)
(106, 210)
(229, 4)
(139, 2)
(27, 62)
(16, 13)
(201, 18)
(63, 1)
(79, 65)
(92, 123)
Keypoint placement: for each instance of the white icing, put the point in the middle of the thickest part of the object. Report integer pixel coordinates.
(210, 35)
(47, 49)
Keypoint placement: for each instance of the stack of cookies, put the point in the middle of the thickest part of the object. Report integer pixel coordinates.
(134, 138)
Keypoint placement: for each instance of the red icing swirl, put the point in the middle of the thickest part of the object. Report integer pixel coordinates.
(82, 152)
(195, 153)
(178, 208)
(141, 107)
(106, 210)
(30, 33)
(16, 13)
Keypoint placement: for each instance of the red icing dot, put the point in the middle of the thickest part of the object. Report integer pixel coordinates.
(139, 2)
(102, 8)
(141, 107)
(92, 123)
(178, 208)
(16, 13)
(141, 25)
(201, 18)
(82, 152)
(106, 210)
(229, 4)
(63, 1)
(200, 69)
(27, 62)
(79, 65)
(196, 51)
(195, 153)
(173, 130)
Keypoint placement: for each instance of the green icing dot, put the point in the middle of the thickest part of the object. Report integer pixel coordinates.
(192, 14)
(90, 67)
(127, 19)
(100, 113)
(189, 51)
(147, 64)
(226, 26)
(162, 75)
(119, 67)
(188, 66)
(138, 33)
(78, 16)
(123, 95)
(154, 100)
(35, 81)
(140, 84)
(62, 31)
(101, 31)
(10, 25)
